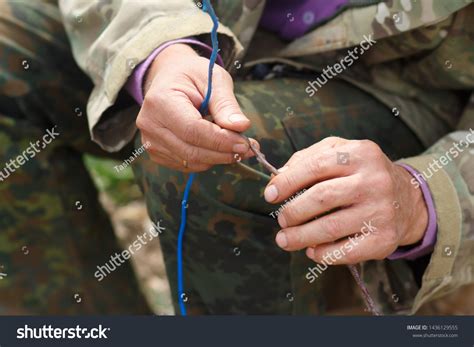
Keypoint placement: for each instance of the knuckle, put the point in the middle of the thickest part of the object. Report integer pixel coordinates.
(191, 133)
(225, 103)
(289, 182)
(314, 166)
(155, 99)
(148, 102)
(218, 142)
(298, 156)
(371, 149)
(382, 180)
(332, 227)
(369, 146)
(303, 238)
(192, 154)
(359, 187)
(290, 214)
(143, 139)
(141, 122)
(296, 238)
(221, 75)
(323, 195)
(333, 140)
(359, 182)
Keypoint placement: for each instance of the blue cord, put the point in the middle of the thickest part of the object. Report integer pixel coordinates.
(207, 7)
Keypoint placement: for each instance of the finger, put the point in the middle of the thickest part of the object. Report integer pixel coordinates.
(329, 228)
(192, 154)
(223, 105)
(161, 155)
(158, 148)
(324, 144)
(321, 198)
(164, 160)
(353, 250)
(315, 168)
(158, 153)
(203, 133)
(185, 121)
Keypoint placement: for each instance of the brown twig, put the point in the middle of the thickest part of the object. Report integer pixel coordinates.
(369, 302)
(260, 156)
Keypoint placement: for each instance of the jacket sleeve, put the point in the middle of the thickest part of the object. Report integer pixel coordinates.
(448, 167)
(109, 39)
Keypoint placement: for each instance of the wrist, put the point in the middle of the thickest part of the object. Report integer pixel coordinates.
(421, 239)
(417, 210)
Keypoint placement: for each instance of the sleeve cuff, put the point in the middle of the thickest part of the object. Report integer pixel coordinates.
(134, 84)
(429, 240)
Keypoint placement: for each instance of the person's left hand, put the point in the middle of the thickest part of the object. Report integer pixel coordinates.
(351, 185)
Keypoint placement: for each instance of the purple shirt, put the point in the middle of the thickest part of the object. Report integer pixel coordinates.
(292, 19)
(426, 245)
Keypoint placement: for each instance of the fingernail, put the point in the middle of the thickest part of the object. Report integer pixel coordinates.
(282, 221)
(271, 193)
(240, 148)
(310, 253)
(281, 240)
(237, 118)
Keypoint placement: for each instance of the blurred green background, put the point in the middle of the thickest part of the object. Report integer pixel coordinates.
(119, 186)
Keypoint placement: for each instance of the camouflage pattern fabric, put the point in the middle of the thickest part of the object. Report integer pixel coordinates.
(413, 85)
(231, 262)
(53, 230)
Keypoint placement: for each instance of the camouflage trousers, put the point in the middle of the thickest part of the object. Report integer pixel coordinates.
(51, 248)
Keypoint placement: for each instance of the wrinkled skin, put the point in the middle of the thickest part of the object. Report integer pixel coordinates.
(368, 187)
(169, 119)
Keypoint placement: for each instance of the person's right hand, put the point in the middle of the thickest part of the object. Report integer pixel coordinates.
(169, 120)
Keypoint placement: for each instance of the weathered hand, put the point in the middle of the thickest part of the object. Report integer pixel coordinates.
(169, 119)
(353, 190)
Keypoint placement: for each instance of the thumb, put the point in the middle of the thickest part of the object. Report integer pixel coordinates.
(223, 105)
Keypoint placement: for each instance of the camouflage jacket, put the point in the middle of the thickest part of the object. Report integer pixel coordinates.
(431, 91)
